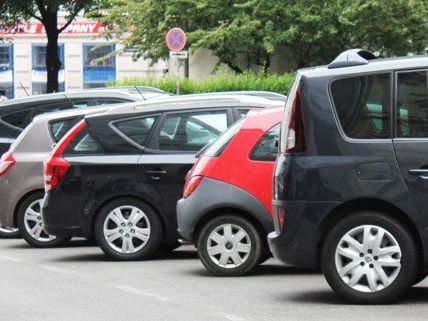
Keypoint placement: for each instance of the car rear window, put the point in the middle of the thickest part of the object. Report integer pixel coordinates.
(363, 105)
(137, 130)
(59, 128)
(216, 148)
(83, 144)
(17, 119)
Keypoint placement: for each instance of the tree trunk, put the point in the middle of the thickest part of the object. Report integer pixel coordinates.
(53, 63)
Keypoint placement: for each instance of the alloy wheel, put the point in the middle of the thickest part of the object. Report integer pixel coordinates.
(368, 258)
(8, 230)
(126, 229)
(229, 246)
(33, 222)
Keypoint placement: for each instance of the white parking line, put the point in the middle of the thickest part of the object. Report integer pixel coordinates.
(133, 290)
(63, 271)
(11, 259)
(233, 317)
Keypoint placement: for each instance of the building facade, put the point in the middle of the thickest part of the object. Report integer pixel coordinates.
(81, 45)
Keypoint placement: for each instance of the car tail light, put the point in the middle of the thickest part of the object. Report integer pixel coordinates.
(57, 167)
(295, 138)
(6, 162)
(191, 185)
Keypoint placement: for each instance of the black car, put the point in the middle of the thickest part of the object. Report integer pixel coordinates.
(16, 114)
(351, 180)
(118, 176)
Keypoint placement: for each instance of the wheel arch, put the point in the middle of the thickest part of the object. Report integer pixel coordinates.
(97, 210)
(19, 203)
(368, 204)
(216, 212)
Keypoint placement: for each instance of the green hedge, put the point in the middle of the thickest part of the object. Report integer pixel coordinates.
(247, 81)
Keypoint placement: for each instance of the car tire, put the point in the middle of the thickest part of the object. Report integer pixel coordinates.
(376, 256)
(9, 233)
(226, 259)
(30, 223)
(140, 236)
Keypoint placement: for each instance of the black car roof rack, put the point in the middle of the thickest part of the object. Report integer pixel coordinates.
(352, 57)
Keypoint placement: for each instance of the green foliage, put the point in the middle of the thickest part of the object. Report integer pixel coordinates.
(244, 81)
(249, 34)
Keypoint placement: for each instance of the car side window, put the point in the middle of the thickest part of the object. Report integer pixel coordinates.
(412, 104)
(84, 144)
(83, 103)
(61, 127)
(137, 130)
(363, 105)
(267, 148)
(18, 118)
(191, 131)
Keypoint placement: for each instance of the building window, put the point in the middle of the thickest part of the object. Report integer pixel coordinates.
(39, 56)
(6, 70)
(99, 65)
(39, 70)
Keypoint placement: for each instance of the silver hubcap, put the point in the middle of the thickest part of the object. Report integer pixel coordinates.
(33, 222)
(368, 258)
(7, 230)
(127, 229)
(229, 246)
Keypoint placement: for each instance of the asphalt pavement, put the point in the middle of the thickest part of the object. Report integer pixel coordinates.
(78, 282)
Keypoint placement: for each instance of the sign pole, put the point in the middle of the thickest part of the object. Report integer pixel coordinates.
(177, 82)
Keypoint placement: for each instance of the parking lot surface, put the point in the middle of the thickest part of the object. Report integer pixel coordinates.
(77, 282)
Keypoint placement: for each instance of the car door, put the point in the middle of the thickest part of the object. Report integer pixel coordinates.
(171, 153)
(411, 137)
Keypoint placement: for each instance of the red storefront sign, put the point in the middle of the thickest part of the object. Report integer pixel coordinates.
(38, 29)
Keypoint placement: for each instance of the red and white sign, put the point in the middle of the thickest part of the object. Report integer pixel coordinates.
(78, 28)
(176, 39)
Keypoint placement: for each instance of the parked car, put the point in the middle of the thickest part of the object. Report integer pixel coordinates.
(118, 176)
(16, 114)
(350, 192)
(227, 201)
(21, 174)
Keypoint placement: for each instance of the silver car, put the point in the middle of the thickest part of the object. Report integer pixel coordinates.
(21, 174)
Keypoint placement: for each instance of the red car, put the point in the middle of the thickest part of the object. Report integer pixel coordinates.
(226, 207)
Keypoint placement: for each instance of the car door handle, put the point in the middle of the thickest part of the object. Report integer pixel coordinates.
(156, 174)
(423, 173)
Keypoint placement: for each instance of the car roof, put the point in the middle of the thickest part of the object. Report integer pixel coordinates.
(193, 102)
(270, 116)
(373, 65)
(107, 93)
(258, 93)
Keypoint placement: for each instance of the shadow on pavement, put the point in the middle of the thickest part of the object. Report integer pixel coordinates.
(261, 270)
(71, 244)
(416, 295)
(175, 255)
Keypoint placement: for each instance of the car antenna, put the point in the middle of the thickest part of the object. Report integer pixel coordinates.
(141, 94)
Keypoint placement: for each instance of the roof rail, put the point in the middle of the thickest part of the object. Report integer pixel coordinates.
(352, 57)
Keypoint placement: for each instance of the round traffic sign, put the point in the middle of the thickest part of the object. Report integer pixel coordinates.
(176, 39)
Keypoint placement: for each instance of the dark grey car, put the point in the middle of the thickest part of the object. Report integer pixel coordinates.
(351, 180)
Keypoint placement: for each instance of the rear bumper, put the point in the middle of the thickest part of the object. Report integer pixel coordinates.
(212, 195)
(64, 219)
(298, 242)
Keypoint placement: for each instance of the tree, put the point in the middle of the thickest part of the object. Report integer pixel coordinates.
(247, 34)
(45, 11)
